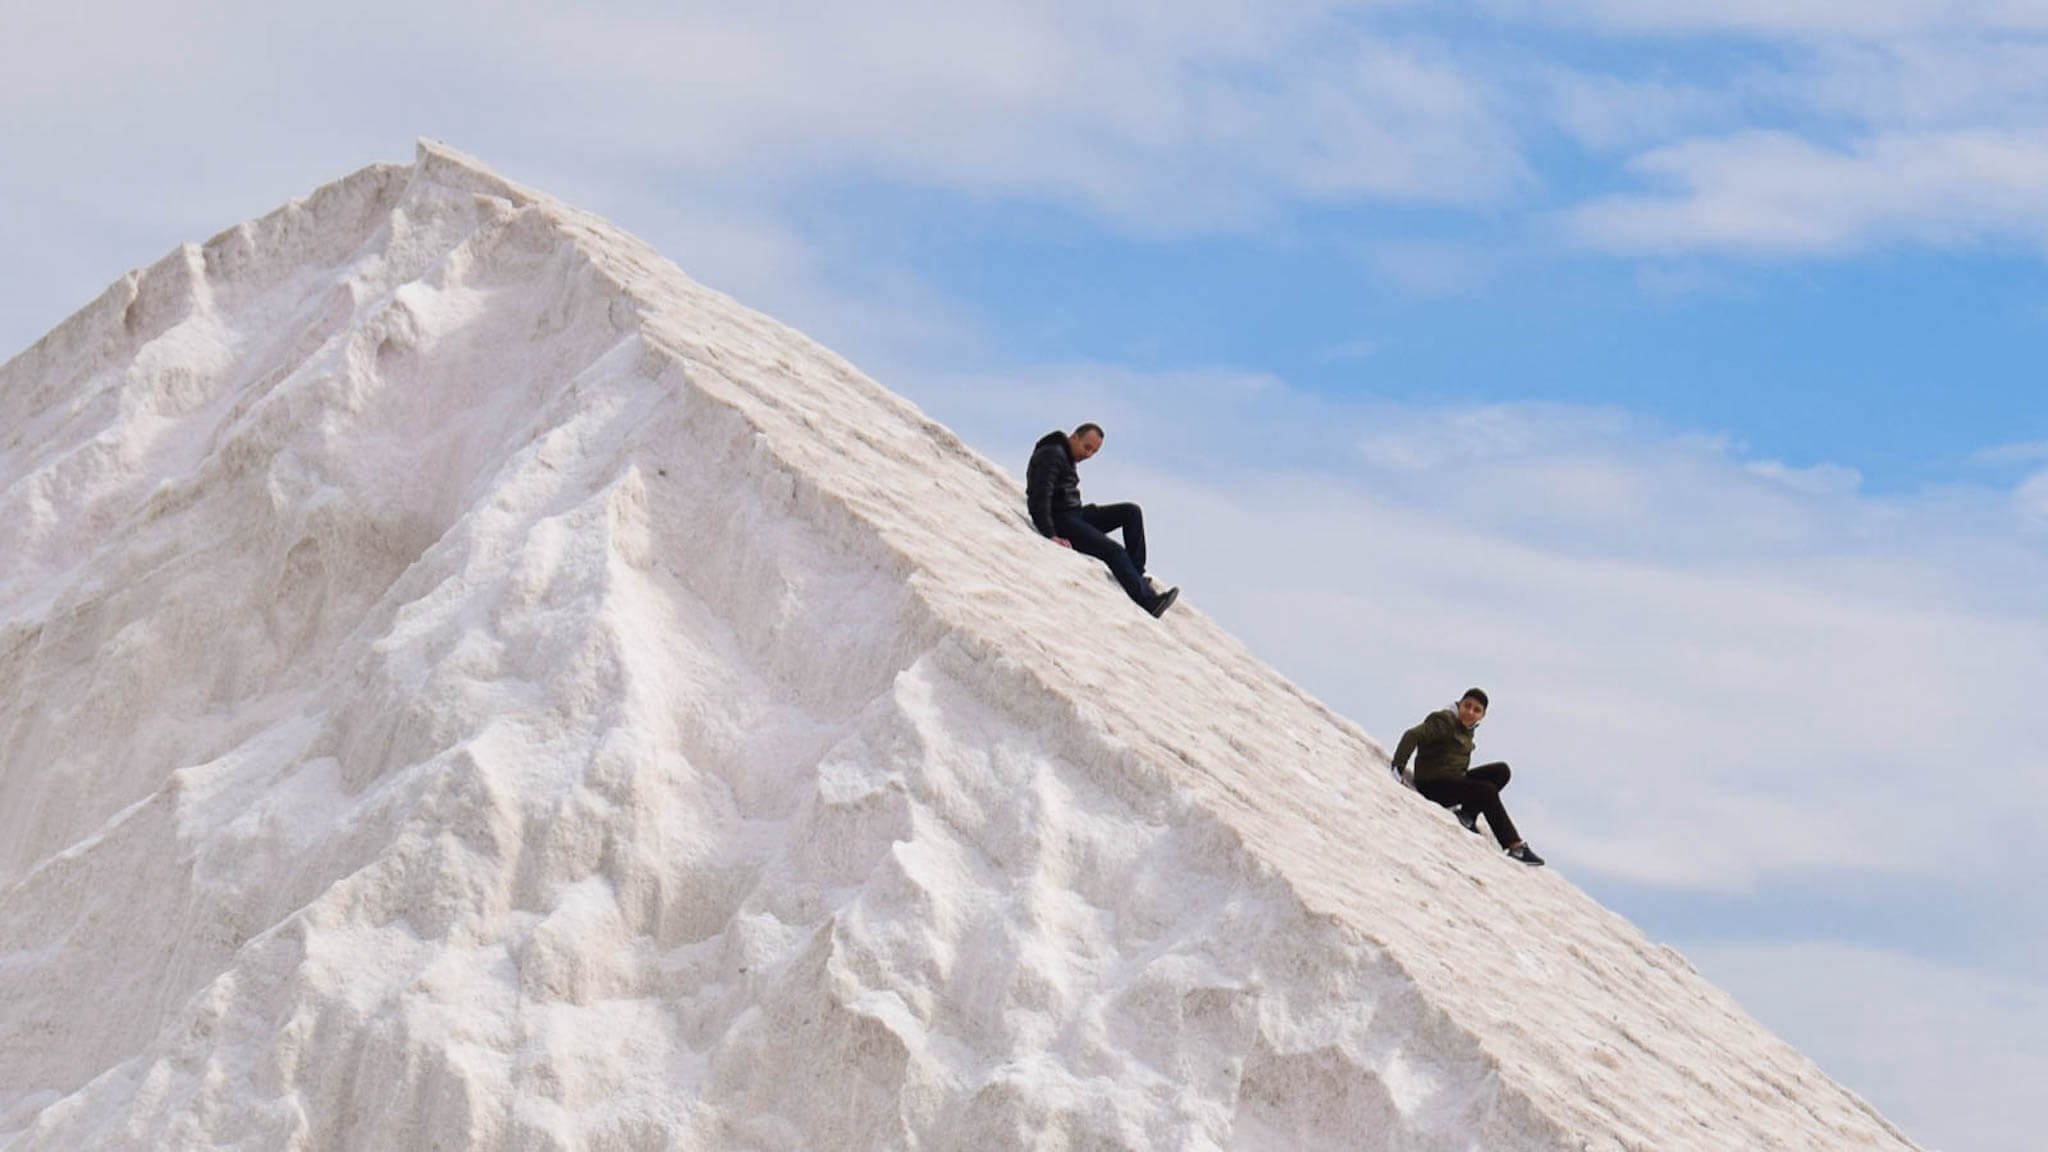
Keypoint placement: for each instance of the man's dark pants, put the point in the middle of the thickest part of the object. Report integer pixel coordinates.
(1088, 527)
(1477, 791)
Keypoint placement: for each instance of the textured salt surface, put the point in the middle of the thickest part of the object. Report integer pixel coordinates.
(467, 686)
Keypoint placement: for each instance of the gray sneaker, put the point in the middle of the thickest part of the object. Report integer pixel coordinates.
(1526, 855)
(1165, 601)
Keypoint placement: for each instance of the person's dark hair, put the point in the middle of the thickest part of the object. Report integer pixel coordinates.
(1475, 694)
(1085, 429)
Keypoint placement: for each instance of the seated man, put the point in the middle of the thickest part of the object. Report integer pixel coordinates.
(1442, 745)
(1052, 488)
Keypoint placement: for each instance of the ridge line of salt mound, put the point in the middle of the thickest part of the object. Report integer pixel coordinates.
(1180, 762)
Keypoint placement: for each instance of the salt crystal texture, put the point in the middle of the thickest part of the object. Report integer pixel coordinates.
(467, 686)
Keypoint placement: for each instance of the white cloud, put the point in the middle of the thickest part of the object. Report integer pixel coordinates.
(129, 127)
(1608, 112)
(1211, 116)
(1433, 268)
(1084, 102)
(2008, 454)
(2031, 498)
(1970, 81)
(1817, 480)
(1769, 193)
(1844, 127)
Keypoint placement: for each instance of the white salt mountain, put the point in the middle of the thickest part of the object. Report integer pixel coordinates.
(467, 686)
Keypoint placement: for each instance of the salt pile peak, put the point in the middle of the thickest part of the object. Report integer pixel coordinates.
(468, 686)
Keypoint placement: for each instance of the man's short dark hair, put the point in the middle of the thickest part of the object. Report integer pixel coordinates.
(1475, 694)
(1085, 429)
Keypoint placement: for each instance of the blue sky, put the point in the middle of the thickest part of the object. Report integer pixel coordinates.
(1669, 369)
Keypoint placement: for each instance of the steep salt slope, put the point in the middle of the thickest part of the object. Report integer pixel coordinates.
(467, 686)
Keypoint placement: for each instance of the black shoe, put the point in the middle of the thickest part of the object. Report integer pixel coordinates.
(1165, 601)
(1471, 821)
(1526, 855)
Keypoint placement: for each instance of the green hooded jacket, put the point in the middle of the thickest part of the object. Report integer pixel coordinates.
(1442, 746)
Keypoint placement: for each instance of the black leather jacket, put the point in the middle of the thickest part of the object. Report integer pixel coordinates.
(1051, 483)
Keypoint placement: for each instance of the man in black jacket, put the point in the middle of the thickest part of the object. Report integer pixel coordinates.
(1052, 488)
(1442, 745)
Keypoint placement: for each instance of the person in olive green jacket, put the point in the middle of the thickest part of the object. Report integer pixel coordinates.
(1442, 747)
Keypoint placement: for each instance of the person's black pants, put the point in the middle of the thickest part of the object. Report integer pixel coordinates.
(1478, 791)
(1088, 527)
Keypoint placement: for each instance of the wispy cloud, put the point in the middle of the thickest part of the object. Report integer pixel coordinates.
(1208, 119)
(1973, 80)
(1609, 112)
(1768, 193)
(1142, 119)
(2031, 498)
(1433, 268)
(1843, 128)
(2009, 454)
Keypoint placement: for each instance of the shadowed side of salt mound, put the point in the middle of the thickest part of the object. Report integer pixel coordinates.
(211, 505)
(362, 609)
